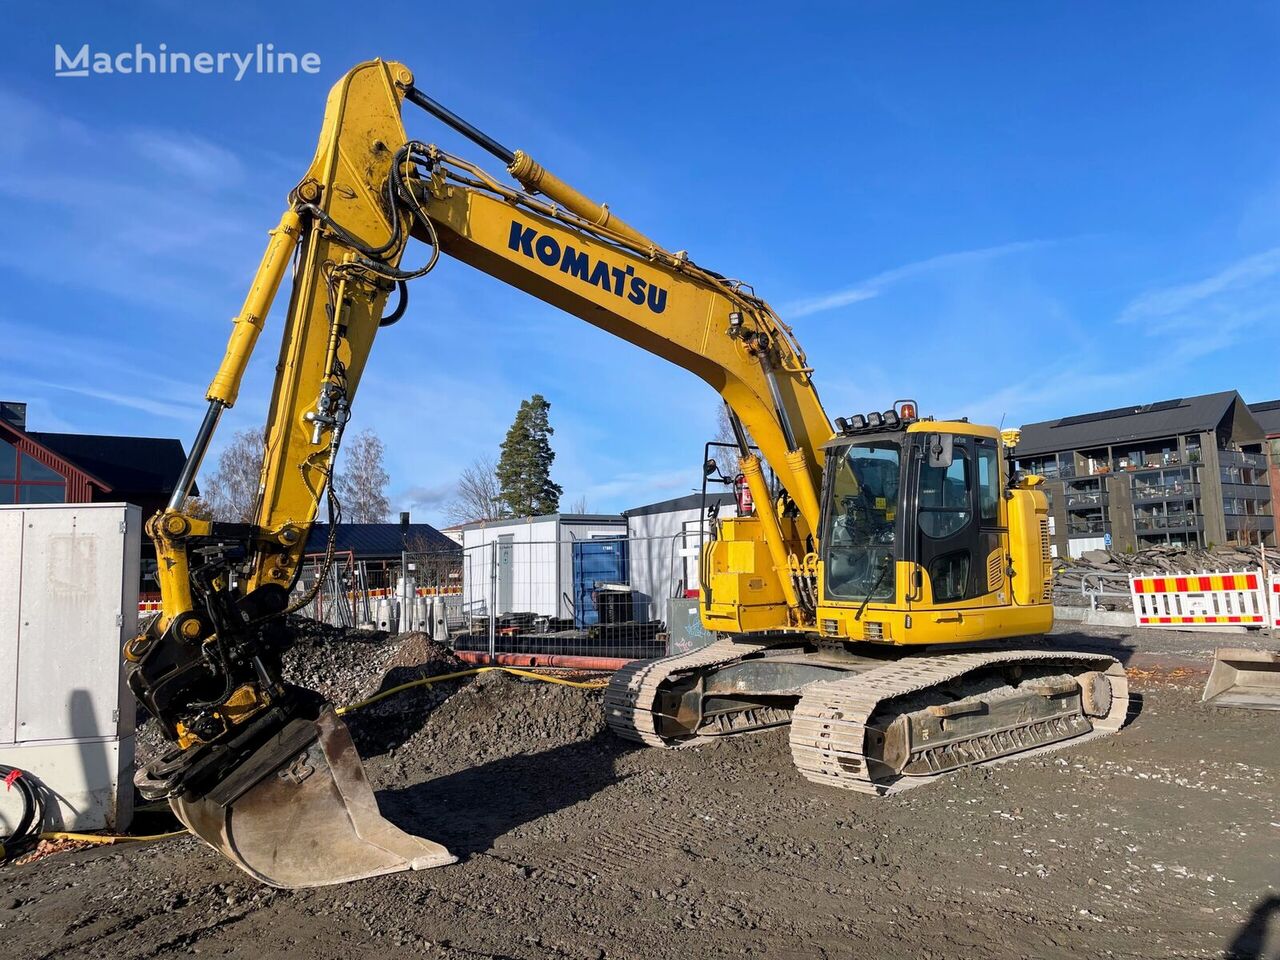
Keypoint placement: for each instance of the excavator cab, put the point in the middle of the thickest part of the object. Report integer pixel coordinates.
(919, 541)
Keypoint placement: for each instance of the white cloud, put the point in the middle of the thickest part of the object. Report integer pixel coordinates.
(1240, 293)
(193, 160)
(874, 286)
(159, 408)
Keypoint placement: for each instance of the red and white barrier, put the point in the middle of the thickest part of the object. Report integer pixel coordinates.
(1273, 594)
(1205, 599)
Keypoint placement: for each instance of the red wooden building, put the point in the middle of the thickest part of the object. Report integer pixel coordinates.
(39, 467)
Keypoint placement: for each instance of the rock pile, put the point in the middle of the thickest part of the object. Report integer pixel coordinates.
(1070, 572)
(345, 665)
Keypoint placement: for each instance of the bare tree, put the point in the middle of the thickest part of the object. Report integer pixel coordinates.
(579, 505)
(477, 494)
(435, 565)
(198, 507)
(726, 458)
(362, 482)
(231, 492)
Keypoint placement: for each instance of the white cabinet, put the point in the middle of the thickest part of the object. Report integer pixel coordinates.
(68, 602)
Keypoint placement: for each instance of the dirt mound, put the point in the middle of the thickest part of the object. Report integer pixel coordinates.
(345, 666)
(498, 715)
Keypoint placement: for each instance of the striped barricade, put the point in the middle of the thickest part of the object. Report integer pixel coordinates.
(1199, 599)
(1273, 594)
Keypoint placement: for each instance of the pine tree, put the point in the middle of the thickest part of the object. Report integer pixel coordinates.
(524, 469)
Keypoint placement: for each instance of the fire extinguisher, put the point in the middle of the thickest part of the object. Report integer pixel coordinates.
(743, 494)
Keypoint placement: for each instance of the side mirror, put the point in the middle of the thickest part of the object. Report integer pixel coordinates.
(939, 450)
(710, 468)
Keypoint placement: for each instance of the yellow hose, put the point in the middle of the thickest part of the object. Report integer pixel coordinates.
(427, 681)
(100, 838)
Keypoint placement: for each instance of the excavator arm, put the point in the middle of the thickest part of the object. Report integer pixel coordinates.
(263, 771)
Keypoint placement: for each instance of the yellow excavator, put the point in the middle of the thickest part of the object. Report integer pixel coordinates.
(859, 600)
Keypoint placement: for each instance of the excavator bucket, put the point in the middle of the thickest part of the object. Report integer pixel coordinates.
(1244, 678)
(300, 813)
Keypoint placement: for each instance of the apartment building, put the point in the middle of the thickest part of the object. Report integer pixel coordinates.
(1188, 471)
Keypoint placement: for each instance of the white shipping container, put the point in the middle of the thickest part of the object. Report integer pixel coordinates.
(525, 565)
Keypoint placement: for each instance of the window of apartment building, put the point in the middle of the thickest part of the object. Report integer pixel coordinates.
(24, 479)
(1046, 467)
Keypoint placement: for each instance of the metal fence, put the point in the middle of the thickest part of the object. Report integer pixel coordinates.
(377, 595)
(600, 597)
(612, 597)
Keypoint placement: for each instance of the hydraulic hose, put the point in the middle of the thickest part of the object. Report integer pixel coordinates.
(457, 675)
(100, 838)
(27, 831)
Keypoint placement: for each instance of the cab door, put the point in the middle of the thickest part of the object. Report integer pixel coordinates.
(957, 518)
(947, 532)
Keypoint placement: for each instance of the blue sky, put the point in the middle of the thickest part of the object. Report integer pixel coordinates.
(1008, 211)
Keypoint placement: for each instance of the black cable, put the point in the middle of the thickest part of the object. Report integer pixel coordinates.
(402, 304)
(31, 822)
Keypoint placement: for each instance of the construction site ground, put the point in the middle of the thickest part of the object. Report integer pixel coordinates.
(1163, 841)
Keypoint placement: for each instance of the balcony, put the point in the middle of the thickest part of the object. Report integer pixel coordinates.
(1161, 523)
(1178, 490)
(1084, 528)
(1086, 501)
(1255, 461)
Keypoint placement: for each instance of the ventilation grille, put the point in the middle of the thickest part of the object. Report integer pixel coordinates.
(831, 628)
(1044, 542)
(995, 570)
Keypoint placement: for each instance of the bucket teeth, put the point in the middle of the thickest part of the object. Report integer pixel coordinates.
(300, 812)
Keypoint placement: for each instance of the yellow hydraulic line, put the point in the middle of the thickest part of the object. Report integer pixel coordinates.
(427, 681)
(103, 839)
(754, 478)
(225, 385)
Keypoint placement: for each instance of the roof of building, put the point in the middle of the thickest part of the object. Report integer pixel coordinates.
(381, 540)
(1267, 414)
(1148, 421)
(544, 518)
(691, 501)
(124, 464)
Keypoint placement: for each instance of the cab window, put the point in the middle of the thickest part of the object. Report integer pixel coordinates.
(863, 508)
(988, 482)
(946, 496)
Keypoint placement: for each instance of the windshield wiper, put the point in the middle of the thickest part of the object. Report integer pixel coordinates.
(884, 569)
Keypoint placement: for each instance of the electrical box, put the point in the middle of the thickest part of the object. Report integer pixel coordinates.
(68, 602)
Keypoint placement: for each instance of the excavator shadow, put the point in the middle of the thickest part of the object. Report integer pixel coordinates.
(1120, 647)
(469, 810)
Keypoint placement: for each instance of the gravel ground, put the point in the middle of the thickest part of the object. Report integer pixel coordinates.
(1158, 842)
